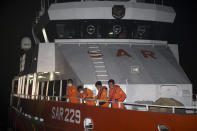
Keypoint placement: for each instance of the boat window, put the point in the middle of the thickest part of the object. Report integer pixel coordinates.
(107, 29)
(64, 85)
(162, 127)
(30, 87)
(50, 89)
(53, 90)
(25, 85)
(57, 88)
(15, 87)
(40, 91)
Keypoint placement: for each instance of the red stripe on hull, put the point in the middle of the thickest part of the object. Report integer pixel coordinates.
(104, 119)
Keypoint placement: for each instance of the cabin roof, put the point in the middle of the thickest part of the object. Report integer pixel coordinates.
(103, 10)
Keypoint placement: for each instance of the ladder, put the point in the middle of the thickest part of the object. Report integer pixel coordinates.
(98, 63)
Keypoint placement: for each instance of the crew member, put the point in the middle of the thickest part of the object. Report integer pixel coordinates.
(102, 94)
(116, 94)
(72, 94)
(86, 94)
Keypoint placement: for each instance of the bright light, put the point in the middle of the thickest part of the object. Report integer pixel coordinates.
(52, 76)
(39, 77)
(111, 33)
(136, 69)
(57, 72)
(31, 76)
(45, 35)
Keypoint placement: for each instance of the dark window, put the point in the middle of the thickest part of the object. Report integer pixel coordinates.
(57, 88)
(30, 87)
(64, 85)
(15, 88)
(40, 90)
(50, 89)
(108, 29)
(44, 89)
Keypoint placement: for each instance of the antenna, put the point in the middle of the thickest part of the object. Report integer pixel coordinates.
(45, 4)
(42, 4)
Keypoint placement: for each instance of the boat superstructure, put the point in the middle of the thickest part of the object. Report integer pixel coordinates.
(91, 41)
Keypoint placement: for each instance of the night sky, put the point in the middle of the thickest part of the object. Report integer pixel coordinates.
(16, 20)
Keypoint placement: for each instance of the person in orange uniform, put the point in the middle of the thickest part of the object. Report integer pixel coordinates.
(72, 93)
(102, 94)
(86, 93)
(116, 94)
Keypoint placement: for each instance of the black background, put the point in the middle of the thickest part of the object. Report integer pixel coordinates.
(16, 19)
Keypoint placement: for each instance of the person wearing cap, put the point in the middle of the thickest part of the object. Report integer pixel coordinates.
(102, 94)
(116, 94)
(86, 94)
(72, 93)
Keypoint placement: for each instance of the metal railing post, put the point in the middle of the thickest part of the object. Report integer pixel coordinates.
(67, 100)
(147, 107)
(97, 103)
(34, 85)
(60, 92)
(119, 104)
(37, 89)
(23, 85)
(27, 86)
(42, 90)
(173, 109)
(47, 89)
(19, 85)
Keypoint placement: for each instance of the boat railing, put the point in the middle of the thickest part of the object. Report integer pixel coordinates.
(156, 2)
(127, 105)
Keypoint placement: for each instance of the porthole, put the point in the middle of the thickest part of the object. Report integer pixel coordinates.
(91, 29)
(162, 127)
(88, 124)
(117, 29)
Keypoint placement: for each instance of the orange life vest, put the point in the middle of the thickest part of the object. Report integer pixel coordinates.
(102, 95)
(72, 94)
(116, 94)
(88, 94)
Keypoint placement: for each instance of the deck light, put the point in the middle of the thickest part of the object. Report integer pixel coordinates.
(45, 35)
(52, 76)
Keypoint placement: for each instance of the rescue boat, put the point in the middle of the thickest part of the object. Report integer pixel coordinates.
(92, 40)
